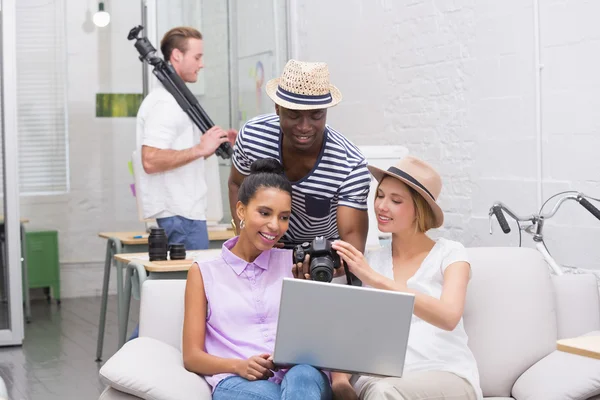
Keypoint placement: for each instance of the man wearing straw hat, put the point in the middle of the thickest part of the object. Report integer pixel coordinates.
(328, 173)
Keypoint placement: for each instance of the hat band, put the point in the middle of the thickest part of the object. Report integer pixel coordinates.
(409, 178)
(303, 98)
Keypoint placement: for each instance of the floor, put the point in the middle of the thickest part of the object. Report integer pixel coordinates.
(57, 359)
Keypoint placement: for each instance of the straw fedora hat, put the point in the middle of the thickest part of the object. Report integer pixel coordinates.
(418, 175)
(304, 86)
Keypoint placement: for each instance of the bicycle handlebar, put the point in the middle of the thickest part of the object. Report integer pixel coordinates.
(497, 210)
(588, 206)
(498, 207)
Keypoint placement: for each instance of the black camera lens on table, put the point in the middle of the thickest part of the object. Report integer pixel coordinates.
(157, 244)
(177, 251)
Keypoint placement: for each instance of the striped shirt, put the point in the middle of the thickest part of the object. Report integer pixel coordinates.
(339, 178)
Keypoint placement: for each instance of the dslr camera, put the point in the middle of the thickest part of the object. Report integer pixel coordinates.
(323, 259)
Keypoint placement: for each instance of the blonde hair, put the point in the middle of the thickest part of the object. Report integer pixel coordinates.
(424, 217)
(177, 38)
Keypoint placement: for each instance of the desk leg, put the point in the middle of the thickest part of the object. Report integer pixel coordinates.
(25, 275)
(134, 271)
(110, 244)
(119, 250)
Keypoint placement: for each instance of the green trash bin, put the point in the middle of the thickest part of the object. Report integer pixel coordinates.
(43, 266)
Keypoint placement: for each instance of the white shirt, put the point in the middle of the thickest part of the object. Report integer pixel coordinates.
(163, 124)
(431, 348)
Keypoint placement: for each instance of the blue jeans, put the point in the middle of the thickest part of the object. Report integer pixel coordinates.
(192, 233)
(300, 382)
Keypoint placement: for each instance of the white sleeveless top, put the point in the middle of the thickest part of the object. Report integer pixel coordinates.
(431, 348)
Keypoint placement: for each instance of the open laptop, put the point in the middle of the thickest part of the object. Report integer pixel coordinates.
(343, 328)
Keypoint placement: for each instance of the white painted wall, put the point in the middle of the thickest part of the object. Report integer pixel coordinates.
(99, 60)
(454, 81)
(103, 60)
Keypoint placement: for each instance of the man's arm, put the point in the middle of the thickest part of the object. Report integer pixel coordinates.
(353, 226)
(352, 215)
(156, 159)
(159, 160)
(235, 181)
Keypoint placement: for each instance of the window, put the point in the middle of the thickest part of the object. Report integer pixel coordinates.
(41, 93)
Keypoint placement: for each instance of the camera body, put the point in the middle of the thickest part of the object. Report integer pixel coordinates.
(323, 259)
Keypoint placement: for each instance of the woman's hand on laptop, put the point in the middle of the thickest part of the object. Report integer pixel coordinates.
(256, 367)
(302, 270)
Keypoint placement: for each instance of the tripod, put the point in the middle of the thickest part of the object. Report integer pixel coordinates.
(176, 86)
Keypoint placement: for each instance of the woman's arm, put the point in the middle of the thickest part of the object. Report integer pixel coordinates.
(444, 313)
(195, 358)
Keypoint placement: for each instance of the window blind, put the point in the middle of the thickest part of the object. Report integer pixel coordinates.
(41, 95)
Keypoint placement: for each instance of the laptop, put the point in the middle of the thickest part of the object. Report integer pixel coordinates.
(343, 328)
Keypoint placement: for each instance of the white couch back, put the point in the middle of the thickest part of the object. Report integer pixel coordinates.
(161, 310)
(509, 314)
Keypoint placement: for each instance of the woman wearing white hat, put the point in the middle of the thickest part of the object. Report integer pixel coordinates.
(439, 364)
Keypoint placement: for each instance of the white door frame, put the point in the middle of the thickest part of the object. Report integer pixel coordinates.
(15, 334)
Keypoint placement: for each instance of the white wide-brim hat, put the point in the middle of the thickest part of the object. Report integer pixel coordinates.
(304, 86)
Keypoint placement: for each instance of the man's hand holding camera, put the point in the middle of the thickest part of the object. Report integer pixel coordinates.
(316, 261)
(301, 270)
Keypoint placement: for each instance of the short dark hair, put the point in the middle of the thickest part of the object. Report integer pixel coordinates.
(177, 38)
(264, 173)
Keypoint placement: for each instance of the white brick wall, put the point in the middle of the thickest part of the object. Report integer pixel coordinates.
(454, 81)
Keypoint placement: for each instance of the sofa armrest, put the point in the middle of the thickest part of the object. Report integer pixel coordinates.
(150, 369)
(3, 391)
(560, 376)
(577, 304)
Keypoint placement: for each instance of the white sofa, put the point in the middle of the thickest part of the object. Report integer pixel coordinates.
(515, 313)
(3, 391)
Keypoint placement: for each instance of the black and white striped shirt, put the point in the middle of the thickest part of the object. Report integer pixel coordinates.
(339, 178)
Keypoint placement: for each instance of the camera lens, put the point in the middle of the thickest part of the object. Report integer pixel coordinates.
(177, 251)
(157, 244)
(321, 269)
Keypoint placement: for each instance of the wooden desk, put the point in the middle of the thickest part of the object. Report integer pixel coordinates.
(124, 242)
(588, 346)
(157, 266)
(21, 220)
(128, 238)
(139, 268)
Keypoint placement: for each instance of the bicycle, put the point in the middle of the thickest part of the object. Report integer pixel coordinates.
(536, 224)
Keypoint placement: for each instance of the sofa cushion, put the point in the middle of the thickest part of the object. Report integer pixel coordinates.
(577, 304)
(509, 314)
(560, 376)
(161, 310)
(153, 370)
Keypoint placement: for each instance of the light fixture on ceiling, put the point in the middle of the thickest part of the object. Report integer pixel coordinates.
(101, 18)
